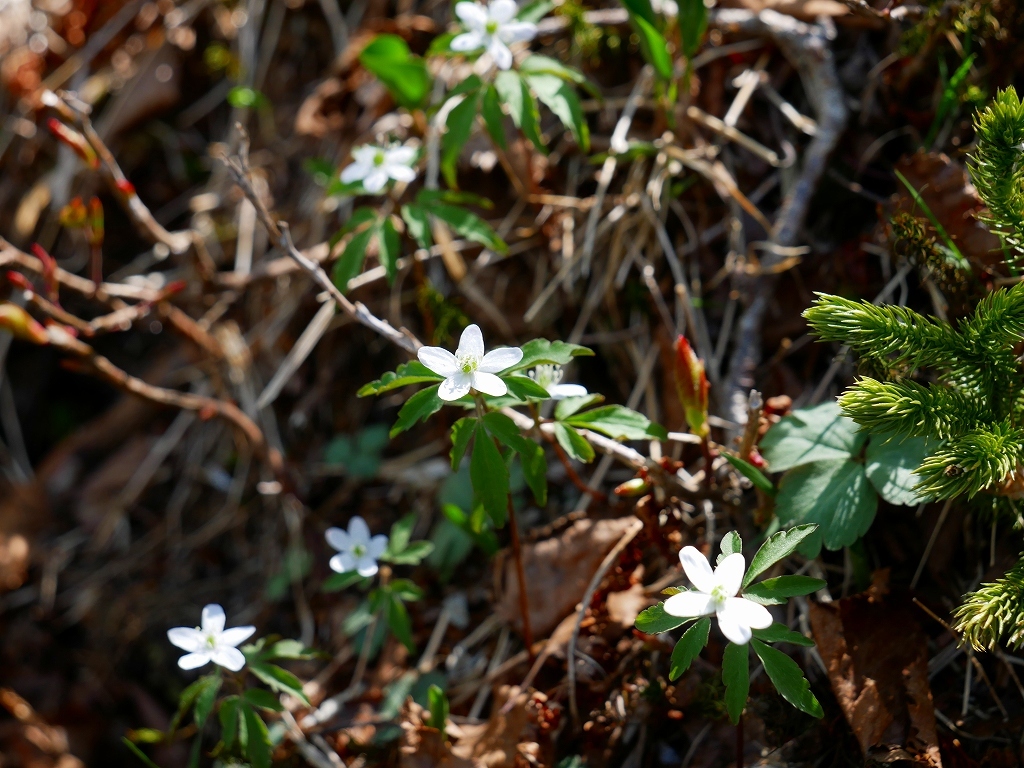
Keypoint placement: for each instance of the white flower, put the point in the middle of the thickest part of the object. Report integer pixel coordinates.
(375, 166)
(357, 551)
(469, 368)
(492, 27)
(211, 642)
(550, 377)
(716, 593)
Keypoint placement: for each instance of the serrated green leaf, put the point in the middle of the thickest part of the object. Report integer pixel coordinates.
(780, 633)
(788, 679)
(279, 679)
(811, 434)
(777, 546)
(401, 532)
(339, 581)
(835, 494)
(535, 468)
(573, 443)
(494, 118)
(535, 11)
(403, 74)
(736, 676)
(351, 261)
(654, 620)
(570, 405)
(258, 697)
(469, 225)
(541, 352)
(688, 648)
(561, 99)
(752, 473)
(776, 591)
(206, 698)
(228, 716)
(462, 433)
(489, 474)
(890, 466)
(618, 423)
(399, 622)
(413, 372)
(525, 388)
(414, 554)
(417, 408)
(406, 589)
(460, 125)
(389, 248)
(289, 649)
(417, 224)
(258, 748)
(515, 95)
(731, 544)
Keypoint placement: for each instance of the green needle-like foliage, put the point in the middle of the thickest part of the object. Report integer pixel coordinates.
(996, 165)
(995, 611)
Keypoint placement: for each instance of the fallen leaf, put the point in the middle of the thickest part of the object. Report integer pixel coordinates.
(625, 606)
(506, 735)
(422, 746)
(557, 572)
(877, 661)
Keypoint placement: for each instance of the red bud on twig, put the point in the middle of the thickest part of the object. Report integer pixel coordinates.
(21, 324)
(18, 280)
(692, 386)
(73, 139)
(95, 222)
(49, 271)
(73, 215)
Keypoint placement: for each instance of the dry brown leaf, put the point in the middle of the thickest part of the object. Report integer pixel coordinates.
(557, 572)
(422, 746)
(625, 606)
(496, 743)
(877, 661)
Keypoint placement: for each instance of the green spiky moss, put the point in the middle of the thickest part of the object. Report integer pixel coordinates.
(994, 612)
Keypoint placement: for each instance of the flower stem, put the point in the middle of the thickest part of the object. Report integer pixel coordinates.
(517, 555)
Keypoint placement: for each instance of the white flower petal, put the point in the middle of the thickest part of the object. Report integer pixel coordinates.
(401, 172)
(402, 155)
(734, 630)
(562, 391)
(366, 566)
(377, 545)
(343, 562)
(338, 539)
(455, 386)
(235, 636)
(355, 172)
(358, 531)
(502, 11)
(473, 15)
(517, 32)
(229, 658)
(195, 660)
(689, 604)
(468, 41)
(729, 573)
(365, 154)
(497, 360)
(698, 569)
(500, 53)
(213, 618)
(439, 360)
(471, 342)
(375, 180)
(744, 611)
(489, 384)
(186, 638)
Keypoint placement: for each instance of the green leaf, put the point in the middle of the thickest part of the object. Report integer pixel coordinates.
(339, 581)
(516, 96)
(414, 554)
(263, 699)
(351, 261)
(460, 125)
(780, 633)
(494, 118)
(258, 746)
(811, 434)
(417, 408)
(462, 433)
(438, 708)
(562, 100)
(278, 679)
(429, 197)
(187, 700)
(788, 679)
(891, 463)
(731, 544)
(403, 74)
(535, 11)
(570, 405)
(776, 591)
(693, 22)
(538, 64)
(688, 648)
(469, 225)
(389, 248)
(417, 223)
(618, 423)
(483, 538)
(541, 351)
(778, 546)
(834, 494)
(206, 698)
(406, 589)
(228, 716)
(752, 473)
(573, 443)
(653, 46)
(399, 622)
(489, 474)
(289, 649)
(654, 620)
(736, 676)
(535, 469)
(525, 388)
(413, 372)
(401, 532)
